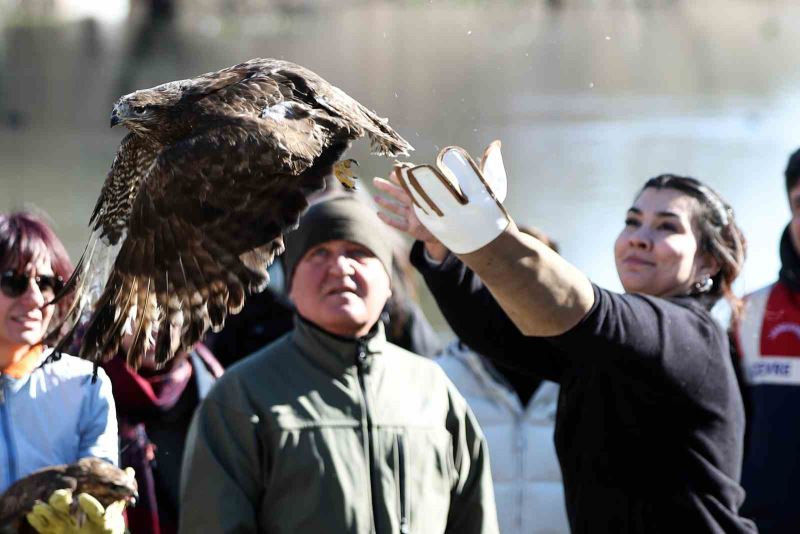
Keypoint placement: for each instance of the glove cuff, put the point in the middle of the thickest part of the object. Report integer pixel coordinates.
(474, 233)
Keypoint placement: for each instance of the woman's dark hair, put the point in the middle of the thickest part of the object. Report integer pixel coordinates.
(719, 234)
(25, 238)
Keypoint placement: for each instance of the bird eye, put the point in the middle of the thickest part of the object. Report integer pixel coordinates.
(138, 109)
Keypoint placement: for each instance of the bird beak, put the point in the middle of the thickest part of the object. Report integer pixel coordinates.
(115, 118)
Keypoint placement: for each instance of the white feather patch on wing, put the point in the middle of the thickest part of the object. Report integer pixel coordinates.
(280, 111)
(93, 271)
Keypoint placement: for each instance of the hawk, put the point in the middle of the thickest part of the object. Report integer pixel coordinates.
(96, 477)
(214, 171)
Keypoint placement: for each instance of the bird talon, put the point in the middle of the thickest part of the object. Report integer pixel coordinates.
(344, 173)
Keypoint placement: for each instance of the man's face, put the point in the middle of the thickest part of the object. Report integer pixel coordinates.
(341, 287)
(794, 224)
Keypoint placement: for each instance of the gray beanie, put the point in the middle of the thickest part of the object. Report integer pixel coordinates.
(340, 217)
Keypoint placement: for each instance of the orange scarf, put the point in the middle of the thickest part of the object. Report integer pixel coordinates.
(24, 365)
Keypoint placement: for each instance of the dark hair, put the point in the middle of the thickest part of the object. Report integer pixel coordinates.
(719, 234)
(24, 239)
(792, 172)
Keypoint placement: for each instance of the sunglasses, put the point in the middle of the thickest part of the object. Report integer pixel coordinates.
(14, 285)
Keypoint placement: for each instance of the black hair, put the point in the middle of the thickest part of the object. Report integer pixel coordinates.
(792, 172)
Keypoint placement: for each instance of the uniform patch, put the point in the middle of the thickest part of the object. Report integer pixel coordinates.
(780, 330)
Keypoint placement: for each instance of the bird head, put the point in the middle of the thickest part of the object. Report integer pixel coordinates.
(106, 482)
(138, 114)
(125, 487)
(146, 111)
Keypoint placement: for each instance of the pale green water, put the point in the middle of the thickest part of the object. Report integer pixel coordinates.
(589, 100)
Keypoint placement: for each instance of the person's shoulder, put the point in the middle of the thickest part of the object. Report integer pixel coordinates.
(68, 366)
(754, 306)
(254, 367)
(402, 359)
(470, 372)
(673, 314)
(454, 359)
(760, 293)
(629, 308)
(399, 353)
(668, 307)
(426, 374)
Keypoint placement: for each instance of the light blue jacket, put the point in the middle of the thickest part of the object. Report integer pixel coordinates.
(55, 415)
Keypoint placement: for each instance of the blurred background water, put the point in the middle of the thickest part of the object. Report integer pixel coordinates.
(590, 98)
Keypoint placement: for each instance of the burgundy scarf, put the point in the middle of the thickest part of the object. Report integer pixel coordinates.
(138, 397)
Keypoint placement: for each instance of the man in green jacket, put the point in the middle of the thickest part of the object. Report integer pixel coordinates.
(331, 428)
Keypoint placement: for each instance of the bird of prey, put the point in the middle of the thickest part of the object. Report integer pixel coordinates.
(98, 478)
(214, 171)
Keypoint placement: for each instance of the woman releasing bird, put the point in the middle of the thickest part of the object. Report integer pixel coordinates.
(214, 170)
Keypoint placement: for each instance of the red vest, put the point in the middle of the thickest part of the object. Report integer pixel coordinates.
(768, 336)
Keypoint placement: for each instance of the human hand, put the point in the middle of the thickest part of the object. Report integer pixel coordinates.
(457, 201)
(53, 517)
(60, 515)
(396, 204)
(398, 213)
(100, 520)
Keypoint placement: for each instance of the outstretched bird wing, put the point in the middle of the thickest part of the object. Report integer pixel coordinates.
(184, 230)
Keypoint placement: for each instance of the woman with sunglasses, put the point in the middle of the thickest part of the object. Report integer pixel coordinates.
(51, 413)
(650, 423)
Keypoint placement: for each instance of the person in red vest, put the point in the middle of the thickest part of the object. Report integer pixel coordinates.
(767, 335)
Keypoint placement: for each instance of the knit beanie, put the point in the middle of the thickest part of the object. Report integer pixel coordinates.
(340, 217)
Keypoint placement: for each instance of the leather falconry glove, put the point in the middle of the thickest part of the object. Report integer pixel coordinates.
(459, 201)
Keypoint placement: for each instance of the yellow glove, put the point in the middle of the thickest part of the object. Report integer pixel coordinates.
(101, 520)
(53, 517)
(91, 517)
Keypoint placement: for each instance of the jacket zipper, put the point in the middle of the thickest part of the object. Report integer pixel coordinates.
(402, 474)
(361, 360)
(5, 426)
(519, 453)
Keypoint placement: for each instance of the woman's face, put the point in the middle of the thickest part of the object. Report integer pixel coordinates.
(23, 321)
(657, 253)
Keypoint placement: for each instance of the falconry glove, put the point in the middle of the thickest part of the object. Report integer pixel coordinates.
(60, 516)
(458, 201)
(54, 517)
(100, 520)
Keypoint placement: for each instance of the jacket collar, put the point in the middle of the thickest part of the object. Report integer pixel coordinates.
(17, 383)
(336, 353)
(25, 365)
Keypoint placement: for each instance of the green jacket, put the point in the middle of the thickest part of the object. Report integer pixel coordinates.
(321, 434)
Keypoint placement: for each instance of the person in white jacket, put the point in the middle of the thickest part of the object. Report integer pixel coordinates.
(518, 425)
(517, 414)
